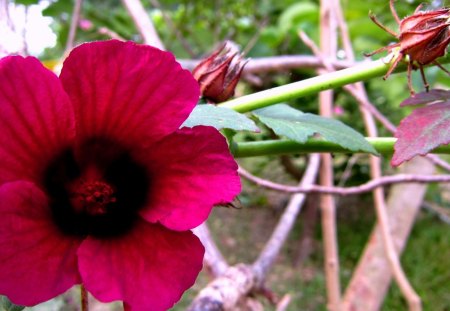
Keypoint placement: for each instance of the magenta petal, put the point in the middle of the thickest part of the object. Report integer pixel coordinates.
(130, 92)
(37, 118)
(192, 170)
(148, 269)
(37, 263)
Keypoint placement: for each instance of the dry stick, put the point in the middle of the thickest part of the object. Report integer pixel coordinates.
(372, 276)
(213, 257)
(348, 169)
(278, 63)
(343, 191)
(328, 44)
(73, 25)
(143, 23)
(378, 193)
(441, 212)
(84, 298)
(284, 226)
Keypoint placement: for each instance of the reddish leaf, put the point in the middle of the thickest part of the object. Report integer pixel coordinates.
(422, 131)
(434, 95)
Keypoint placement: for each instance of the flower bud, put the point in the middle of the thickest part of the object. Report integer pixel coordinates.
(219, 73)
(424, 36)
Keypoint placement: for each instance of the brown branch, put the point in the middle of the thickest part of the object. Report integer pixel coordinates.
(213, 257)
(225, 291)
(284, 226)
(278, 63)
(328, 47)
(442, 213)
(343, 191)
(372, 276)
(143, 23)
(73, 25)
(375, 172)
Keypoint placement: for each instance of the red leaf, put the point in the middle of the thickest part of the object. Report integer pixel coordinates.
(434, 95)
(422, 131)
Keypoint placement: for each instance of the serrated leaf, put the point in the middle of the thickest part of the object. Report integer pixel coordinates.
(296, 125)
(423, 130)
(435, 95)
(220, 118)
(7, 305)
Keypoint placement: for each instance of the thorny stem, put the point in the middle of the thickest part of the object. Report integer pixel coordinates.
(383, 145)
(361, 72)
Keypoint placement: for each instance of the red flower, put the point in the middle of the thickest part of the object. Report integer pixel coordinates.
(98, 185)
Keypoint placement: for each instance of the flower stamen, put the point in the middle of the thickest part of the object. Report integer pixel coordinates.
(93, 197)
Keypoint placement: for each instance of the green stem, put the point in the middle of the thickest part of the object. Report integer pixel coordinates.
(361, 72)
(383, 145)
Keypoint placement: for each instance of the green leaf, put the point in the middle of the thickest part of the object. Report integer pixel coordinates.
(26, 2)
(220, 118)
(298, 126)
(7, 305)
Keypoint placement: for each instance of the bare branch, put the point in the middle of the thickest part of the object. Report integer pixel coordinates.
(285, 224)
(278, 63)
(225, 291)
(73, 25)
(442, 213)
(213, 257)
(375, 172)
(369, 186)
(372, 276)
(143, 23)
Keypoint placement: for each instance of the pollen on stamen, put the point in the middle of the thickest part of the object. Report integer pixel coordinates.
(93, 197)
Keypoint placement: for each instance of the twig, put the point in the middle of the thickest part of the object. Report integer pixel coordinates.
(278, 63)
(375, 169)
(143, 23)
(284, 302)
(328, 46)
(108, 32)
(175, 29)
(73, 25)
(84, 297)
(368, 286)
(441, 212)
(348, 169)
(254, 39)
(213, 257)
(284, 226)
(343, 191)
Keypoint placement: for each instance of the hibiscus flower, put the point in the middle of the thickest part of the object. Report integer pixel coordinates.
(98, 185)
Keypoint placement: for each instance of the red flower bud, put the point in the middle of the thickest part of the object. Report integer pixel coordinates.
(219, 73)
(424, 37)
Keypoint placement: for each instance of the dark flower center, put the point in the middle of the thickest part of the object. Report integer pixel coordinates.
(93, 197)
(98, 191)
